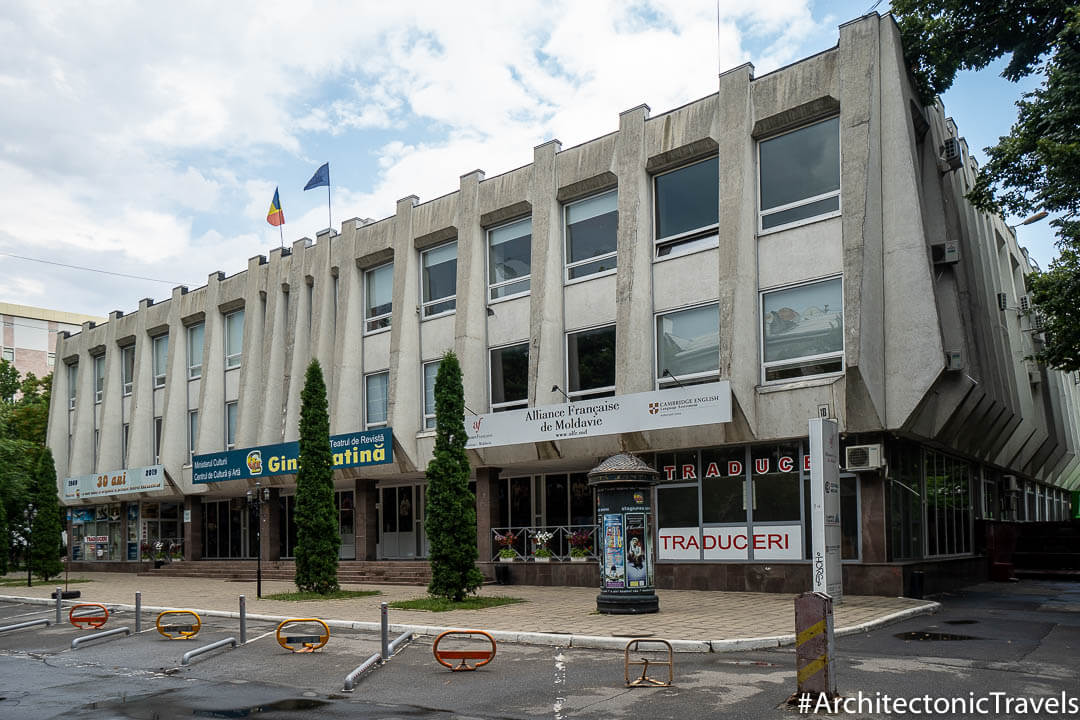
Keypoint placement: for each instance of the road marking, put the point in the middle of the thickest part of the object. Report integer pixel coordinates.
(560, 679)
(272, 632)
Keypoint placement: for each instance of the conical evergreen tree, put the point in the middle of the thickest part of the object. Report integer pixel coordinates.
(46, 528)
(317, 539)
(451, 507)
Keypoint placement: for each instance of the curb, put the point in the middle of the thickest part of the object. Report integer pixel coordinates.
(597, 642)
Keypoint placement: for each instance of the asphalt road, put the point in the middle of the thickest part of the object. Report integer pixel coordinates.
(1020, 640)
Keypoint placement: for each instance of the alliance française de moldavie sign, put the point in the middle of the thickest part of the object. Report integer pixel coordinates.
(357, 449)
(658, 410)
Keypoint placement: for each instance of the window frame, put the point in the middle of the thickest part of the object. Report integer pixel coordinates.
(805, 201)
(663, 383)
(125, 429)
(8, 353)
(590, 393)
(509, 404)
(159, 435)
(387, 316)
(159, 378)
(527, 279)
(193, 432)
(73, 384)
(808, 359)
(230, 445)
(233, 360)
(567, 264)
(688, 238)
(423, 400)
(50, 359)
(99, 378)
(368, 425)
(426, 304)
(127, 379)
(194, 371)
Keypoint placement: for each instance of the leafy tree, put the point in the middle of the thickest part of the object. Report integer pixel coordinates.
(9, 382)
(29, 415)
(1037, 165)
(451, 507)
(47, 546)
(317, 539)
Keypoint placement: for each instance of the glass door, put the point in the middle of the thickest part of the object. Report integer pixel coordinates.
(343, 501)
(397, 517)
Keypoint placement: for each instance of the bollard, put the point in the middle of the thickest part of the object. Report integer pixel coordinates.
(243, 620)
(138, 612)
(385, 633)
(59, 602)
(814, 645)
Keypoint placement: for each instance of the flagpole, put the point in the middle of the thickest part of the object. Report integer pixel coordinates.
(329, 213)
(282, 234)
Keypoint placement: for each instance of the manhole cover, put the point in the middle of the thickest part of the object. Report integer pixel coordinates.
(923, 635)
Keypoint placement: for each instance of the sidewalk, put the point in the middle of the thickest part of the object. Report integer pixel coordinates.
(702, 621)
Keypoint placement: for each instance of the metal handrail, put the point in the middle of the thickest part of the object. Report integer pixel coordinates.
(22, 625)
(524, 547)
(97, 636)
(206, 648)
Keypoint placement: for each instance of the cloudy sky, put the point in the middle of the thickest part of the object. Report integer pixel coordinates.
(147, 138)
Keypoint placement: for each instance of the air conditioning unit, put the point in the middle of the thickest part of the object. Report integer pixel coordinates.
(863, 457)
(954, 360)
(1010, 483)
(1024, 304)
(1037, 321)
(945, 253)
(952, 154)
(1003, 301)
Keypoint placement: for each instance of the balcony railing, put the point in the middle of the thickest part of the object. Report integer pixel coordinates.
(522, 541)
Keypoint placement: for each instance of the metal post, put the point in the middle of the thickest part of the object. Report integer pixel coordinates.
(138, 611)
(59, 602)
(243, 620)
(814, 645)
(385, 632)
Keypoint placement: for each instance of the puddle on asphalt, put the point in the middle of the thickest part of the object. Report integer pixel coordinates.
(287, 705)
(924, 635)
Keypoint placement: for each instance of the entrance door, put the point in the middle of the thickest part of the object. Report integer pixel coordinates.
(401, 522)
(343, 500)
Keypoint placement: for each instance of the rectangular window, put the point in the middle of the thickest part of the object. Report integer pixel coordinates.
(194, 351)
(193, 431)
(510, 377)
(99, 378)
(431, 369)
(591, 227)
(161, 359)
(8, 354)
(230, 425)
(73, 384)
(124, 446)
(379, 284)
(590, 363)
(376, 396)
(800, 175)
(234, 338)
(688, 346)
(97, 447)
(50, 359)
(439, 279)
(687, 208)
(157, 440)
(127, 370)
(803, 331)
(509, 259)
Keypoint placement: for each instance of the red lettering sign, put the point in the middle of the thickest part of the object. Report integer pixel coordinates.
(712, 471)
(734, 467)
(806, 462)
(761, 465)
(785, 464)
(735, 541)
(689, 472)
(669, 472)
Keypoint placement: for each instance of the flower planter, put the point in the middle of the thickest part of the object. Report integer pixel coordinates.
(578, 559)
(541, 559)
(506, 559)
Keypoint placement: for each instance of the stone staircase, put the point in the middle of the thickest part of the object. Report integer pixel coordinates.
(1048, 550)
(379, 572)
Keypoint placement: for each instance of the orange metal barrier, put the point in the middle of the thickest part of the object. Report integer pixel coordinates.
(484, 656)
(88, 621)
(308, 643)
(179, 631)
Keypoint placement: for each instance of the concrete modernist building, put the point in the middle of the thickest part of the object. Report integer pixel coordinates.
(796, 245)
(29, 334)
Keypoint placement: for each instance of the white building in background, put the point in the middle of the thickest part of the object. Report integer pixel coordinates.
(796, 244)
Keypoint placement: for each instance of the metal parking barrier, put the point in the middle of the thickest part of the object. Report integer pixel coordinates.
(484, 656)
(645, 680)
(59, 604)
(138, 612)
(308, 643)
(89, 621)
(23, 625)
(179, 631)
(98, 636)
(206, 648)
(350, 679)
(398, 642)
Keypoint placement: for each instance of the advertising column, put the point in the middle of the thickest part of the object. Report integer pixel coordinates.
(825, 507)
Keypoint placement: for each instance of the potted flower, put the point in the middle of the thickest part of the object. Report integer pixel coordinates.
(506, 546)
(159, 554)
(580, 545)
(541, 553)
(176, 551)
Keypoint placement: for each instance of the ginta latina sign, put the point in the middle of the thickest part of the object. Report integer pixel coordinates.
(657, 410)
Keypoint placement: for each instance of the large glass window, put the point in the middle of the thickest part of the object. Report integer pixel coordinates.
(124, 445)
(509, 259)
(99, 378)
(948, 504)
(688, 345)
(157, 440)
(439, 279)
(723, 492)
(193, 431)
(376, 396)
(194, 351)
(591, 228)
(803, 331)
(510, 377)
(161, 359)
(687, 208)
(590, 363)
(800, 175)
(431, 369)
(127, 370)
(73, 384)
(775, 484)
(230, 425)
(234, 338)
(379, 297)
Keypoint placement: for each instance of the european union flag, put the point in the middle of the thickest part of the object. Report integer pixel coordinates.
(320, 178)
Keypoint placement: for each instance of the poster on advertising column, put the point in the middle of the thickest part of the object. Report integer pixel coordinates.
(825, 507)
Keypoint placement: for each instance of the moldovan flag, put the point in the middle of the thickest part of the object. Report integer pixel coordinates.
(275, 216)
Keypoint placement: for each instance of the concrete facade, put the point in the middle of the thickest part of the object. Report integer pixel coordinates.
(1011, 425)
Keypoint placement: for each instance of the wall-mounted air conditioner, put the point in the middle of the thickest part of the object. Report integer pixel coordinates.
(954, 360)
(952, 154)
(863, 457)
(1003, 301)
(1025, 305)
(945, 253)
